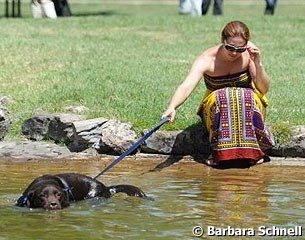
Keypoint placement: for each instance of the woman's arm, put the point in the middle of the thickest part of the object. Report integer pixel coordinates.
(259, 75)
(184, 90)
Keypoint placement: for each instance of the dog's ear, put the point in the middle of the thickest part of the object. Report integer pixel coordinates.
(35, 199)
(64, 200)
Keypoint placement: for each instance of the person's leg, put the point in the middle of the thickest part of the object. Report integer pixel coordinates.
(218, 7)
(184, 6)
(48, 8)
(270, 6)
(196, 7)
(205, 6)
(62, 8)
(274, 5)
(36, 9)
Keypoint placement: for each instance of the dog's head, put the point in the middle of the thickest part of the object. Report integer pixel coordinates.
(50, 197)
(46, 196)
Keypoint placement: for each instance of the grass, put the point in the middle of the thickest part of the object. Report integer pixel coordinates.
(125, 61)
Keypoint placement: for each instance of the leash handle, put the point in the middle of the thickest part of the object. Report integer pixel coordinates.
(135, 146)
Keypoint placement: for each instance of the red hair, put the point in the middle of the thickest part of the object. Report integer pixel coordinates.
(235, 29)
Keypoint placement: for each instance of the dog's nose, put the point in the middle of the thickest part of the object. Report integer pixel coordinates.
(53, 205)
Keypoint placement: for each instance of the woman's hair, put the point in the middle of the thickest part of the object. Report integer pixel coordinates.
(235, 29)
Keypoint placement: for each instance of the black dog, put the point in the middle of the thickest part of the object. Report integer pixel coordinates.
(54, 192)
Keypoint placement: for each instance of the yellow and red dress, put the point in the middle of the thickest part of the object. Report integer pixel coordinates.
(233, 112)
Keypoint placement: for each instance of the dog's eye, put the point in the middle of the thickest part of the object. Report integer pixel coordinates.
(58, 194)
(42, 195)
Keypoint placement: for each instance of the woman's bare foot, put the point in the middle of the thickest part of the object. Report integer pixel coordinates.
(211, 162)
(259, 161)
(263, 160)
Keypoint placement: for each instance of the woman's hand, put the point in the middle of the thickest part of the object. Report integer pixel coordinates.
(259, 75)
(171, 113)
(254, 53)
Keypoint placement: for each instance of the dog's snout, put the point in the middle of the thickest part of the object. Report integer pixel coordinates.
(53, 205)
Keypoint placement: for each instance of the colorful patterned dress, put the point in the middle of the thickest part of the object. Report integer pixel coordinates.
(233, 112)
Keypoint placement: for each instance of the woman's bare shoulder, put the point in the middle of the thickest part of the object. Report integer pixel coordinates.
(209, 54)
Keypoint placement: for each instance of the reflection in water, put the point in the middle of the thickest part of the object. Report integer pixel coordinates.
(186, 194)
(236, 198)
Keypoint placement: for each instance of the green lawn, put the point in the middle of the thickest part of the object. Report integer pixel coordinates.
(125, 61)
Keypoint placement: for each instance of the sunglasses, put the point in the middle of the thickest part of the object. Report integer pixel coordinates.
(233, 48)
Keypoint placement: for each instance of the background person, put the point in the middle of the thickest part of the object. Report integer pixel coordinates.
(62, 8)
(270, 7)
(192, 7)
(233, 106)
(50, 8)
(217, 8)
(43, 8)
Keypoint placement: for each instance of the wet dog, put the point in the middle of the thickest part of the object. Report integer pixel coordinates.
(53, 192)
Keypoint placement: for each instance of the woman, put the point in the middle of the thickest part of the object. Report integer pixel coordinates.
(233, 106)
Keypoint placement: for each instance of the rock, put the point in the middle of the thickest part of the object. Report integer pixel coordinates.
(289, 150)
(295, 147)
(86, 134)
(192, 140)
(60, 127)
(36, 128)
(3, 113)
(4, 100)
(161, 142)
(298, 132)
(106, 136)
(117, 137)
(57, 127)
(4, 127)
(5, 121)
(76, 109)
(33, 150)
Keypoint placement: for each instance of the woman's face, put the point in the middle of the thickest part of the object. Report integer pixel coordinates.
(234, 47)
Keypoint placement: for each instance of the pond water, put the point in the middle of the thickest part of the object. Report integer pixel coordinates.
(187, 194)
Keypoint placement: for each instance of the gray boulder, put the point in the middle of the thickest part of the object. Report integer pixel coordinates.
(192, 140)
(116, 136)
(26, 150)
(45, 126)
(104, 135)
(5, 121)
(86, 134)
(37, 127)
(61, 126)
(5, 125)
(295, 147)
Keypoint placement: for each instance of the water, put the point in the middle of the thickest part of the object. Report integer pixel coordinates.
(187, 194)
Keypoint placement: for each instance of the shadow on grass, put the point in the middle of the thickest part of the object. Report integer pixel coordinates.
(90, 14)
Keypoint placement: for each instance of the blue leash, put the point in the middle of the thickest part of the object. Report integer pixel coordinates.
(134, 147)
